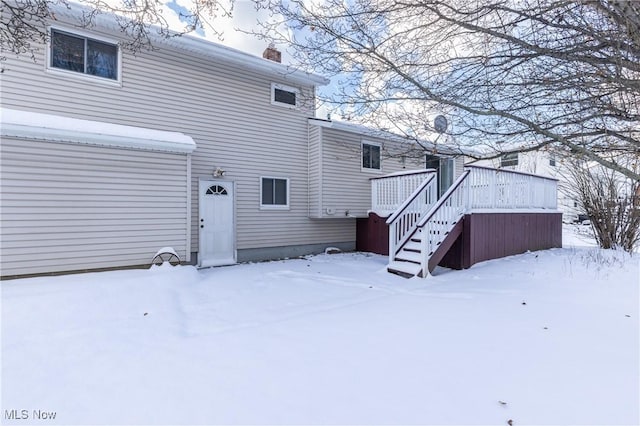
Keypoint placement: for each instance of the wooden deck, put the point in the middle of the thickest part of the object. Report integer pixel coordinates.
(486, 214)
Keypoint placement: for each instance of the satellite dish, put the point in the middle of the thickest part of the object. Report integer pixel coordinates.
(440, 124)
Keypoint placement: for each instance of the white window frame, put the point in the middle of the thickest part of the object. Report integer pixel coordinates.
(294, 90)
(370, 169)
(505, 159)
(78, 75)
(275, 206)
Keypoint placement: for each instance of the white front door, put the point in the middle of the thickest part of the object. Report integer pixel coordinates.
(216, 223)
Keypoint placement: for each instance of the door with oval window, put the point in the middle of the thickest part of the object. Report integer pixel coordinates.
(216, 223)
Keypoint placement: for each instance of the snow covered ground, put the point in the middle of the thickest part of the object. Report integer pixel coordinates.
(549, 337)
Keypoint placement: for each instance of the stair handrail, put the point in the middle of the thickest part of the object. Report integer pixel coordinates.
(439, 212)
(410, 199)
(402, 222)
(444, 198)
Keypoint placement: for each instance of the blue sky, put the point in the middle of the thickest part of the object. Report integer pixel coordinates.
(181, 11)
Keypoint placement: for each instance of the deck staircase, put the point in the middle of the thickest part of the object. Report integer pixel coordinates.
(424, 228)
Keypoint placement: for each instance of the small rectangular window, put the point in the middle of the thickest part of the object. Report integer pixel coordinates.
(84, 55)
(370, 156)
(284, 95)
(274, 193)
(508, 160)
(552, 160)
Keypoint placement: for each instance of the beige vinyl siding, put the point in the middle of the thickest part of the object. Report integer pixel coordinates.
(345, 185)
(315, 171)
(226, 110)
(69, 207)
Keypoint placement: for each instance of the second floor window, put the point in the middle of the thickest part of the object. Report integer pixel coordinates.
(284, 95)
(370, 156)
(84, 55)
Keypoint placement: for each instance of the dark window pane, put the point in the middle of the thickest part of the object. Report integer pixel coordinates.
(370, 156)
(280, 192)
(284, 96)
(216, 190)
(432, 162)
(67, 52)
(366, 156)
(375, 157)
(267, 191)
(102, 59)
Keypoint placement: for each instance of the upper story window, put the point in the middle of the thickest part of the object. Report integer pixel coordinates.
(84, 55)
(508, 160)
(284, 95)
(274, 193)
(552, 160)
(371, 156)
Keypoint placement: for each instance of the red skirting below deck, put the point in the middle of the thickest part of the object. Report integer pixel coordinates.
(372, 234)
(484, 236)
(494, 235)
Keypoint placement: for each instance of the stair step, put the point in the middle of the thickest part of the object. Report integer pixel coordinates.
(405, 269)
(409, 256)
(416, 242)
(413, 246)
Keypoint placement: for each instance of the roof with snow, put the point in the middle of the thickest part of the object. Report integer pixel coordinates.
(47, 127)
(384, 134)
(200, 47)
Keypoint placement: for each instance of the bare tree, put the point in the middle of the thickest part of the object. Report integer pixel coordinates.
(23, 22)
(611, 200)
(559, 74)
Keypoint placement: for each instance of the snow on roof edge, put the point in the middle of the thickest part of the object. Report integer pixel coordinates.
(202, 46)
(39, 126)
(361, 129)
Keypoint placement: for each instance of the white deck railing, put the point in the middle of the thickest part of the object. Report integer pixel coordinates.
(402, 223)
(421, 218)
(505, 189)
(390, 191)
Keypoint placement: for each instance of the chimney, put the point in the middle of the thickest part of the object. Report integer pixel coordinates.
(272, 54)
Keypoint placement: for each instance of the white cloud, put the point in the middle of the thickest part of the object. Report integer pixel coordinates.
(235, 30)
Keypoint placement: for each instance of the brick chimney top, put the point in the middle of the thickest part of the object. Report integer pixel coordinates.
(272, 54)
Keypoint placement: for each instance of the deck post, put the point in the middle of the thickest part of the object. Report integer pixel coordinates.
(374, 193)
(392, 242)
